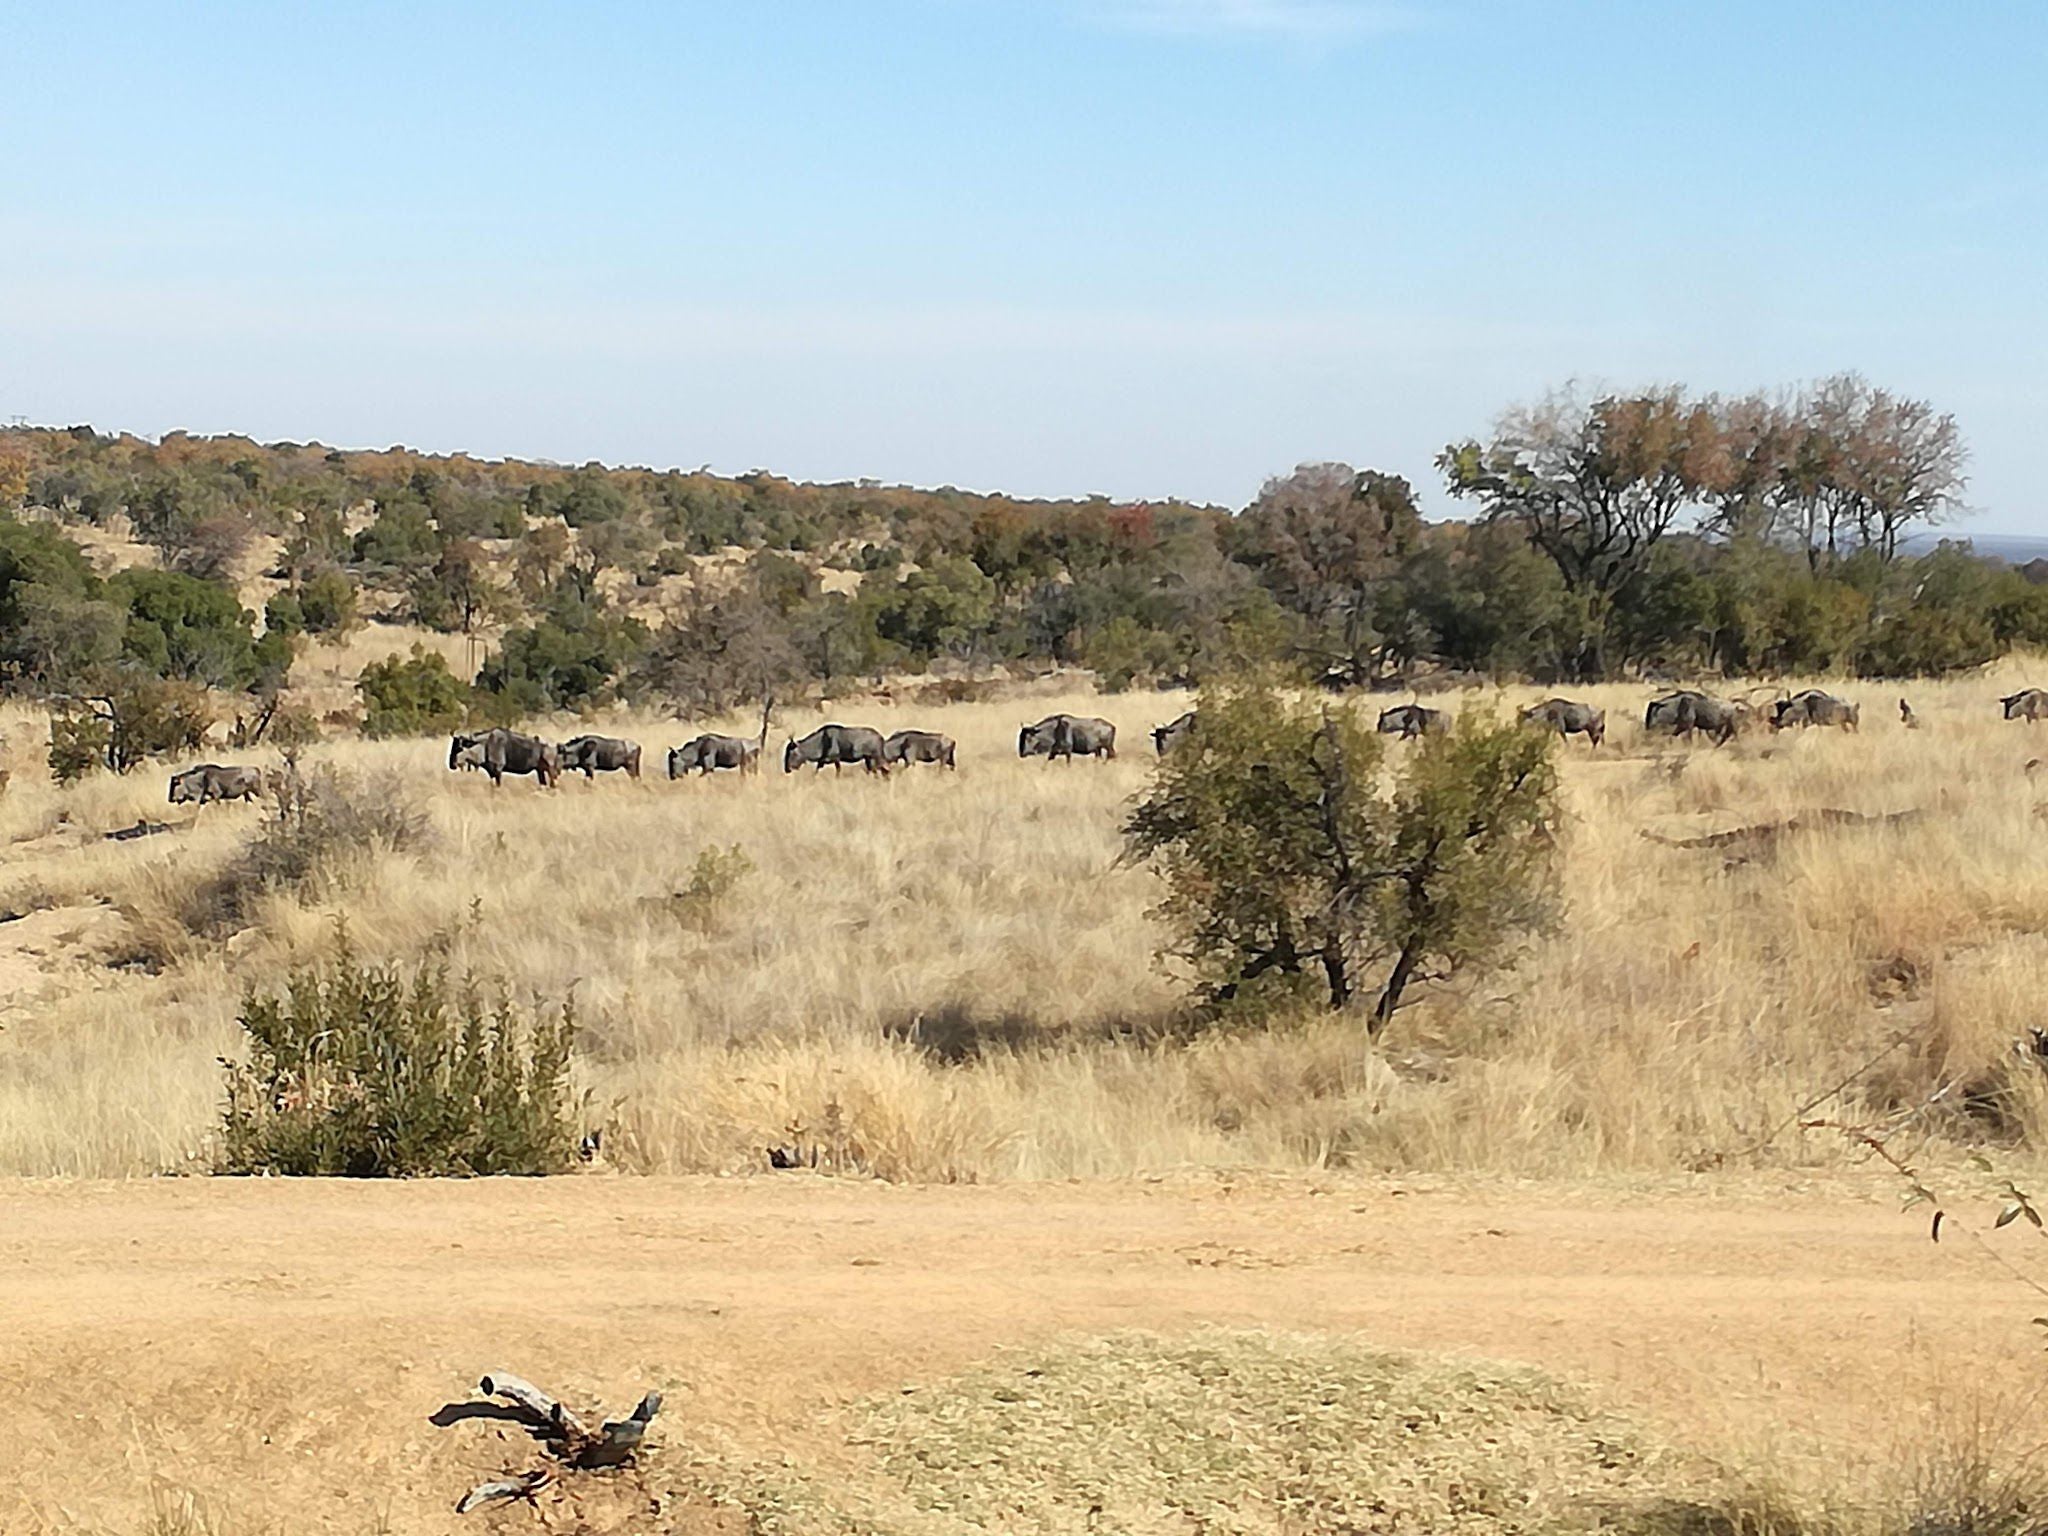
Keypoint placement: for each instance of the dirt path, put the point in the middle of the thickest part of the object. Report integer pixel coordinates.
(277, 1346)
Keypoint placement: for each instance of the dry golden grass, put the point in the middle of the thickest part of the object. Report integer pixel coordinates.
(947, 976)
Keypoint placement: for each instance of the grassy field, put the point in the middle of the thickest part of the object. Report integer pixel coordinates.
(949, 977)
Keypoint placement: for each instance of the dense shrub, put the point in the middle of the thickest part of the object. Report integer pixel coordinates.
(412, 695)
(322, 605)
(363, 1071)
(1291, 861)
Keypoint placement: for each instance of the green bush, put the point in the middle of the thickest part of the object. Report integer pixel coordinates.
(1293, 863)
(364, 1071)
(412, 695)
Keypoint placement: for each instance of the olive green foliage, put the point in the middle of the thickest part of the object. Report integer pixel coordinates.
(412, 695)
(324, 605)
(1291, 856)
(362, 1071)
(121, 716)
(1646, 529)
(187, 627)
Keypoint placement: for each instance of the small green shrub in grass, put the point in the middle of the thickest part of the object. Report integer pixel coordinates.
(365, 1071)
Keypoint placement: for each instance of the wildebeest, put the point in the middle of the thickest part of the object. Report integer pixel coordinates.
(1907, 718)
(919, 747)
(1568, 717)
(1410, 720)
(1812, 706)
(210, 781)
(1686, 711)
(1064, 735)
(707, 752)
(837, 745)
(592, 755)
(2029, 704)
(506, 752)
(1170, 735)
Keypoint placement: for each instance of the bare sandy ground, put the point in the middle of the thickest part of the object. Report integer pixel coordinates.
(277, 1347)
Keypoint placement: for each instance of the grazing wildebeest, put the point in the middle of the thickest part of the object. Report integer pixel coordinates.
(1064, 735)
(593, 755)
(1170, 735)
(1907, 718)
(2029, 704)
(837, 745)
(469, 755)
(1568, 717)
(1410, 720)
(504, 752)
(210, 781)
(1814, 707)
(707, 752)
(919, 747)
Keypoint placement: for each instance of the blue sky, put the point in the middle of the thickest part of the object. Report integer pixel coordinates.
(1143, 247)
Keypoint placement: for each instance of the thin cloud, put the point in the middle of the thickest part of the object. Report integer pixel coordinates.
(1321, 21)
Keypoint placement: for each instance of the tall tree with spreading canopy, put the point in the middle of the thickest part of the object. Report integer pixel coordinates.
(1594, 487)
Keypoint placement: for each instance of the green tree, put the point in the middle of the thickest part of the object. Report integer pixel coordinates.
(119, 716)
(1286, 850)
(182, 626)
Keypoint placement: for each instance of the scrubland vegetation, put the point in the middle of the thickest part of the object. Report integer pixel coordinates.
(951, 976)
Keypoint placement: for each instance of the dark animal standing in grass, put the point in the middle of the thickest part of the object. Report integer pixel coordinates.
(506, 752)
(1685, 712)
(1907, 718)
(2029, 704)
(1170, 735)
(1568, 717)
(210, 781)
(1814, 707)
(1408, 721)
(592, 755)
(704, 753)
(1066, 735)
(837, 745)
(919, 747)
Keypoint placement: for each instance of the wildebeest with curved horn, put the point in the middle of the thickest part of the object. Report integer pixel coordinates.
(706, 752)
(1410, 720)
(837, 745)
(2029, 704)
(1813, 706)
(506, 752)
(211, 781)
(592, 755)
(1170, 735)
(919, 747)
(1568, 717)
(1688, 710)
(1065, 735)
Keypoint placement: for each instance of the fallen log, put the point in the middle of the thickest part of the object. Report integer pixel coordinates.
(1770, 831)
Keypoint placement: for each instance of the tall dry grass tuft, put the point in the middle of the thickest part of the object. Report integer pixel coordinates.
(955, 972)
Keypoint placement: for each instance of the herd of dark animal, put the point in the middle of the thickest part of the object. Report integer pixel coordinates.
(1684, 714)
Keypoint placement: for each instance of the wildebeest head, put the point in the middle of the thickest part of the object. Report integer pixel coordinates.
(458, 744)
(790, 756)
(1025, 735)
(675, 758)
(184, 786)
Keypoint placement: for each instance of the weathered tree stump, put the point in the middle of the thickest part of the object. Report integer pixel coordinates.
(572, 1444)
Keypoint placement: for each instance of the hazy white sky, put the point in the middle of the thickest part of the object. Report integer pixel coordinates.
(1145, 247)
